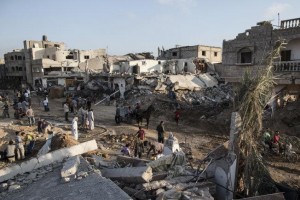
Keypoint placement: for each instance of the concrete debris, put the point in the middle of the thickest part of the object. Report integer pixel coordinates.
(135, 162)
(135, 193)
(70, 167)
(13, 188)
(131, 174)
(98, 161)
(54, 156)
(167, 162)
(46, 147)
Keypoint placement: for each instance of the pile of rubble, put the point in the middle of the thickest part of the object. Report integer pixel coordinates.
(168, 177)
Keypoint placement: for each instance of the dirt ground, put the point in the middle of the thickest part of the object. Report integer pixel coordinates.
(202, 134)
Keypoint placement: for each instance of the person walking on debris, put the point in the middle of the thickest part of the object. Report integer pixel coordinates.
(74, 106)
(156, 147)
(75, 128)
(19, 146)
(126, 150)
(140, 139)
(91, 119)
(5, 110)
(177, 115)
(29, 140)
(89, 103)
(66, 110)
(118, 115)
(30, 115)
(46, 104)
(40, 126)
(10, 151)
(160, 132)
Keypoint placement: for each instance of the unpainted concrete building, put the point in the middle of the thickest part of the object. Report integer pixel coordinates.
(249, 50)
(46, 61)
(212, 54)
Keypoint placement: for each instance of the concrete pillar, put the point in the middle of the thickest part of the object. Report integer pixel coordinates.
(235, 128)
(226, 168)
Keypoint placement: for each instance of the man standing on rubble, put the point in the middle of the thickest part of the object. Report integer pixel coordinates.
(19, 146)
(30, 116)
(66, 110)
(140, 139)
(75, 128)
(160, 132)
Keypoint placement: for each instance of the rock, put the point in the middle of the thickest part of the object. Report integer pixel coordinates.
(79, 177)
(82, 174)
(10, 182)
(66, 179)
(49, 168)
(32, 176)
(13, 188)
(160, 190)
(3, 187)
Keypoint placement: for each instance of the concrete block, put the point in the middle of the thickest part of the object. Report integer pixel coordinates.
(70, 167)
(29, 165)
(59, 155)
(129, 175)
(46, 147)
(9, 172)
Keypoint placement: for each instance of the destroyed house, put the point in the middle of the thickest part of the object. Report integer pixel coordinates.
(212, 54)
(249, 50)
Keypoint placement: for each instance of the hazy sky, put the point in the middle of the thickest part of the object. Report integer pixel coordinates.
(134, 25)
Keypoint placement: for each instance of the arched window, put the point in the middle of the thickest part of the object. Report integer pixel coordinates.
(245, 55)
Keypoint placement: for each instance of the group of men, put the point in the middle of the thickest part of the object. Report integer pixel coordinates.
(21, 147)
(155, 146)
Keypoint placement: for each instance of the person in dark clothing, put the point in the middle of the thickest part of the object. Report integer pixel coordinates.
(5, 111)
(118, 115)
(40, 126)
(89, 103)
(160, 132)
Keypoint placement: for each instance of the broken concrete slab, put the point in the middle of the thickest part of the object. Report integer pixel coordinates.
(70, 167)
(46, 147)
(135, 162)
(55, 156)
(98, 161)
(9, 172)
(135, 193)
(209, 80)
(166, 162)
(29, 165)
(50, 187)
(131, 175)
(60, 154)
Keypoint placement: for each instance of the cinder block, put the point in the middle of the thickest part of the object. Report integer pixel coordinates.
(9, 172)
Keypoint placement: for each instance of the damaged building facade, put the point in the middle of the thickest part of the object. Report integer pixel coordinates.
(248, 51)
(44, 63)
(212, 54)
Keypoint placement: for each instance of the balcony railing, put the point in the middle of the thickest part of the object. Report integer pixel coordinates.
(290, 23)
(287, 66)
